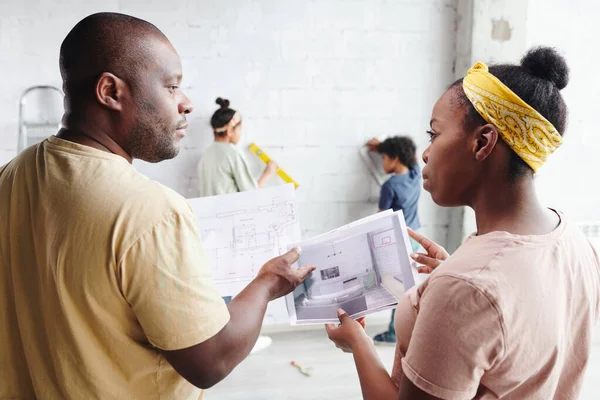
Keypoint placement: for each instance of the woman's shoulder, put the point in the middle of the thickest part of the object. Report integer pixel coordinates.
(476, 261)
(499, 260)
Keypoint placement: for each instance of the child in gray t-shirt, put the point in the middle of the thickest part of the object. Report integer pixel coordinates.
(223, 168)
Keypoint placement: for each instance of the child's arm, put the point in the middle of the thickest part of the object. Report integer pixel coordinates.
(268, 173)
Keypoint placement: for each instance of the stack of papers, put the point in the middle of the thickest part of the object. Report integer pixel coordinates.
(362, 267)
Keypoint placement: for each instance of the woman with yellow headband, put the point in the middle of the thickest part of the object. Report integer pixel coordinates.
(511, 313)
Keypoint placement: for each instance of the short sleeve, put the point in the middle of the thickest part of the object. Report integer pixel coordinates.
(458, 336)
(166, 279)
(241, 173)
(386, 197)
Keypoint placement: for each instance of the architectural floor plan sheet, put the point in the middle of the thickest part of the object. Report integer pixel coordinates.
(362, 267)
(242, 231)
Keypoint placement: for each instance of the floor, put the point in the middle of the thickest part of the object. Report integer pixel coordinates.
(268, 375)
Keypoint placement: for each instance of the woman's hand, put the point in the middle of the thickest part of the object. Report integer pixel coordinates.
(348, 333)
(435, 253)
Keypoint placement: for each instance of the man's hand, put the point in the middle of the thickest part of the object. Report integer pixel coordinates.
(210, 361)
(280, 277)
(435, 253)
(348, 333)
(373, 144)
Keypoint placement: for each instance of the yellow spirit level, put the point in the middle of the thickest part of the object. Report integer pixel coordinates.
(261, 154)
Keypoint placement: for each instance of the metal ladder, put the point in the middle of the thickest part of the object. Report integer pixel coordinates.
(47, 116)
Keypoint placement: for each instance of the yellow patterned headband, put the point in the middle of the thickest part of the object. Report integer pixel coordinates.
(524, 129)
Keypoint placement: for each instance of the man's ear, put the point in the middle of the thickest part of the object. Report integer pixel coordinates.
(110, 90)
(486, 137)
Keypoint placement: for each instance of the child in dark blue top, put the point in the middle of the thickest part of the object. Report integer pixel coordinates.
(400, 192)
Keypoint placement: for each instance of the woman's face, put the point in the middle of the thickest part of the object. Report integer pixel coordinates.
(451, 171)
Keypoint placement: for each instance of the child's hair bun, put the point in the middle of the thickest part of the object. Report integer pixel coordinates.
(224, 103)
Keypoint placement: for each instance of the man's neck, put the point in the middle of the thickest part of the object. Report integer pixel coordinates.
(95, 140)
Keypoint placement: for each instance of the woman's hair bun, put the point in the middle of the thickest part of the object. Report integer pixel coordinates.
(224, 103)
(546, 63)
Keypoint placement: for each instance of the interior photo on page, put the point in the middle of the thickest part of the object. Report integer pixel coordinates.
(361, 268)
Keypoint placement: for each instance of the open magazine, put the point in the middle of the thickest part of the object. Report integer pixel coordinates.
(362, 267)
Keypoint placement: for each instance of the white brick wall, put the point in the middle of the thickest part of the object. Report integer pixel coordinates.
(570, 181)
(313, 79)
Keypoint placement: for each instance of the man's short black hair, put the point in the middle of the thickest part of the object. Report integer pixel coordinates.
(104, 42)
